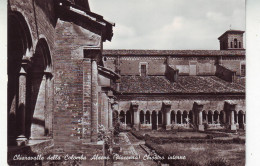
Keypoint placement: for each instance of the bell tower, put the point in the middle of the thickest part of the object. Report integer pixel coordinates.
(231, 40)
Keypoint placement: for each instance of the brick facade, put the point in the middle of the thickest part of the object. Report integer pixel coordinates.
(62, 85)
(59, 45)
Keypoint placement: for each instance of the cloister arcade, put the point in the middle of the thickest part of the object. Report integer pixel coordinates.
(29, 83)
(156, 119)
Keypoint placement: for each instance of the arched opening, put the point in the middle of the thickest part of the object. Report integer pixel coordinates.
(216, 117)
(240, 119)
(235, 117)
(235, 43)
(173, 117)
(147, 118)
(154, 120)
(159, 117)
(185, 117)
(204, 116)
(179, 117)
(221, 117)
(19, 50)
(40, 84)
(210, 117)
(191, 117)
(122, 117)
(128, 117)
(142, 117)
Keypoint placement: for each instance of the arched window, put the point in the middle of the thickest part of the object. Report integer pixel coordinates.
(147, 117)
(210, 117)
(184, 117)
(179, 117)
(216, 117)
(142, 117)
(235, 43)
(173, 117)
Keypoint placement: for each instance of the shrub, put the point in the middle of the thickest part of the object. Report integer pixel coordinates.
(137, 134)
(209, 136)
(238, 140)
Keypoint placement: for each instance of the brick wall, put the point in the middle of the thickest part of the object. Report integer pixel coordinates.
(40, 17)
(71, 71)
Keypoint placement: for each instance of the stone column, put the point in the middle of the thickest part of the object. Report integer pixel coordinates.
(150, 118)
(212, 118)
(200, 117)
(233, 125)
(136, 116)
(94, 100)
(48, 101)
(175, 116)
(144, 119)
(198, 108)
(110, 114)
(168, 118)
(218, 119)
(105, 112)
(22, 140)
(244, 118)
(207, 118)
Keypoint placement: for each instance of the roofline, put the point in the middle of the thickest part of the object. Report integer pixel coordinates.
(107, 27)
(231, 31)
(181, 94)
(132, 52)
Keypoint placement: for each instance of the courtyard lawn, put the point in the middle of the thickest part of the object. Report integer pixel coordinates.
(177, 134)
(234, 154)
(170, 134)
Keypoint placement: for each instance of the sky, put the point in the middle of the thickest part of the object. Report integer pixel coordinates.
(170, 24)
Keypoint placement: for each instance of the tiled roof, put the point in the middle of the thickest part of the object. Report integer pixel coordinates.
(174, 52)
(184, 84)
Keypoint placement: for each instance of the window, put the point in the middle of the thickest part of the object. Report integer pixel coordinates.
(231, 44)
(235, 43)
(143, 70)
(243, 70)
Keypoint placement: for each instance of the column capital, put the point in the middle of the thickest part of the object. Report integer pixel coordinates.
(167, 102)
(134, 105)
(230, 106)
(197, 107)
(25, 64)
(48, 74)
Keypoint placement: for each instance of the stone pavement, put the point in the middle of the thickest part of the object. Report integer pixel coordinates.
(130, 146)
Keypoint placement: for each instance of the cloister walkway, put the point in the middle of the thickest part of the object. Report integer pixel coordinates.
(130, 146)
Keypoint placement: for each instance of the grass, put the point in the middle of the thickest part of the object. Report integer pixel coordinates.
(234, 154)
(178, 134)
